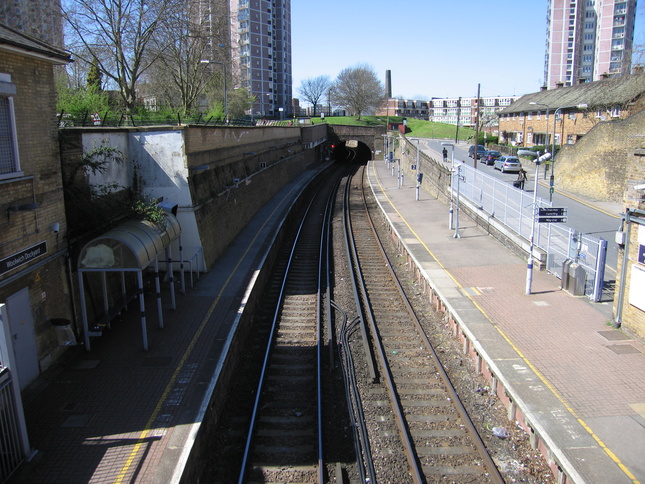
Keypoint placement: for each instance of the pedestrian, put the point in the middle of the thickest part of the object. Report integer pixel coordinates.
(445, 155)
(521, 178)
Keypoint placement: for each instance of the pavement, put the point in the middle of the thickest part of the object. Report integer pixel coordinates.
(576, 382)
(121, 414)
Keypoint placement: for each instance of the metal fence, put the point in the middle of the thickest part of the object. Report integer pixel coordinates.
(115, 119)
(11, 454)
(514, 208)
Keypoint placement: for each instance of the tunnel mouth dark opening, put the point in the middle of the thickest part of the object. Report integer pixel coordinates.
(351, 151)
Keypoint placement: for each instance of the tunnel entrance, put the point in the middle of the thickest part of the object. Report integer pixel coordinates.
(353, 151)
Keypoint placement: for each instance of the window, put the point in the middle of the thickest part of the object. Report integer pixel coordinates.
(570, 139)
(9, 161)
(615, 111)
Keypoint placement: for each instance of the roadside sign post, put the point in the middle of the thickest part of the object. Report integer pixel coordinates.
(552, 215)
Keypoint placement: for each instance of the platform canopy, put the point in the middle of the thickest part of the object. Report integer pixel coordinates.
(132, 245)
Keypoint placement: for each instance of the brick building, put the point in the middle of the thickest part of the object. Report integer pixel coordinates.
(34, 280)
(406, 108)
(565, 114)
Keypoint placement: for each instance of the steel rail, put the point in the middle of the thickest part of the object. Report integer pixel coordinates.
(470, 427)
(274, 325)
(388, 380)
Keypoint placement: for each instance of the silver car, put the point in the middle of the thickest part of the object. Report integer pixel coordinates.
(508, 164)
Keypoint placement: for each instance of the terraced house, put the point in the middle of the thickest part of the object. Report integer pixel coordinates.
(564, 115)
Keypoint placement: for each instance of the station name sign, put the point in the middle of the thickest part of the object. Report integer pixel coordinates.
(23, 257)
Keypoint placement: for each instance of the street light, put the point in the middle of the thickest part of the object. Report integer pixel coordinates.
(555, 117)
(452, 165)
(529, 266)
(225, 90)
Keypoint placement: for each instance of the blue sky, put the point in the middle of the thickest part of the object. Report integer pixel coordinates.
(433, 48)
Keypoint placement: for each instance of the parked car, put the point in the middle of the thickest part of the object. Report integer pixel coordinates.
(481, 149)
(508, 163)
(490, 157)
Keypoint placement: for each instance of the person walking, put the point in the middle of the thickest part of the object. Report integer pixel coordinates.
(445, 155)
(521, 178)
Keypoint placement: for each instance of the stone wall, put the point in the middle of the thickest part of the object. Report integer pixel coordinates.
(596, 165)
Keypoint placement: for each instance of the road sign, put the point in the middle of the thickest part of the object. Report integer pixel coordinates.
(551, 211)
(552, 220)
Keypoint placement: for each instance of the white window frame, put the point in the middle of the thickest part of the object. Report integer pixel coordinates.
(9, 139)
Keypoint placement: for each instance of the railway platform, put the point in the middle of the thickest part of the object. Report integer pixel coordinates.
(119, 414)
(576, 383)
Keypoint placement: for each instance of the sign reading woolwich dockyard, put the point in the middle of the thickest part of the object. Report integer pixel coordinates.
(23, 257)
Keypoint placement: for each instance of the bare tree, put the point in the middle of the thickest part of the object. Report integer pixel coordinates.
(313, 89)
(180, 77)
(359, 90)
(118, 34)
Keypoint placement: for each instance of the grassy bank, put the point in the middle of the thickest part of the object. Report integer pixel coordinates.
(415, 127)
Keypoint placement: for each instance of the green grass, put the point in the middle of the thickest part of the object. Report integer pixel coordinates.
(416, 127)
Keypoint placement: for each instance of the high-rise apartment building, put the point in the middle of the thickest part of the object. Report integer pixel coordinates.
(41, 19)
(264, 54)
(256, 46)
(587, 39)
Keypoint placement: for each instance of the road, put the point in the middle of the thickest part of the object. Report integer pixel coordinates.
(601, 220)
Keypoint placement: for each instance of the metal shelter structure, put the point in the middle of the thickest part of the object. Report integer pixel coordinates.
(131, 247)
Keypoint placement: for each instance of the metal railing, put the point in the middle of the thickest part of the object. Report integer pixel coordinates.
(10, 440)
(514, 209)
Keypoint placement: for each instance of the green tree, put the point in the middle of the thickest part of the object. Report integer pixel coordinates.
(79, 102)
(94, 77)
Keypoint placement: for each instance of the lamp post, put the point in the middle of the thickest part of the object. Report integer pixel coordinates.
(529, 266)
(452, 165)
(225, 89)
(555, 117)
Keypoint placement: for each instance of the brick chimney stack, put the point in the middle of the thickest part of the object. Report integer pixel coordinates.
(388, 84)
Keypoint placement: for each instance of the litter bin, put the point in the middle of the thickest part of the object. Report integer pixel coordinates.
(64, 333)
(577, 279)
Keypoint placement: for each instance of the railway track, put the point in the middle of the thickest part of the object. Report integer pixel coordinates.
(332, 393)
(422, 429)
(284, 439)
